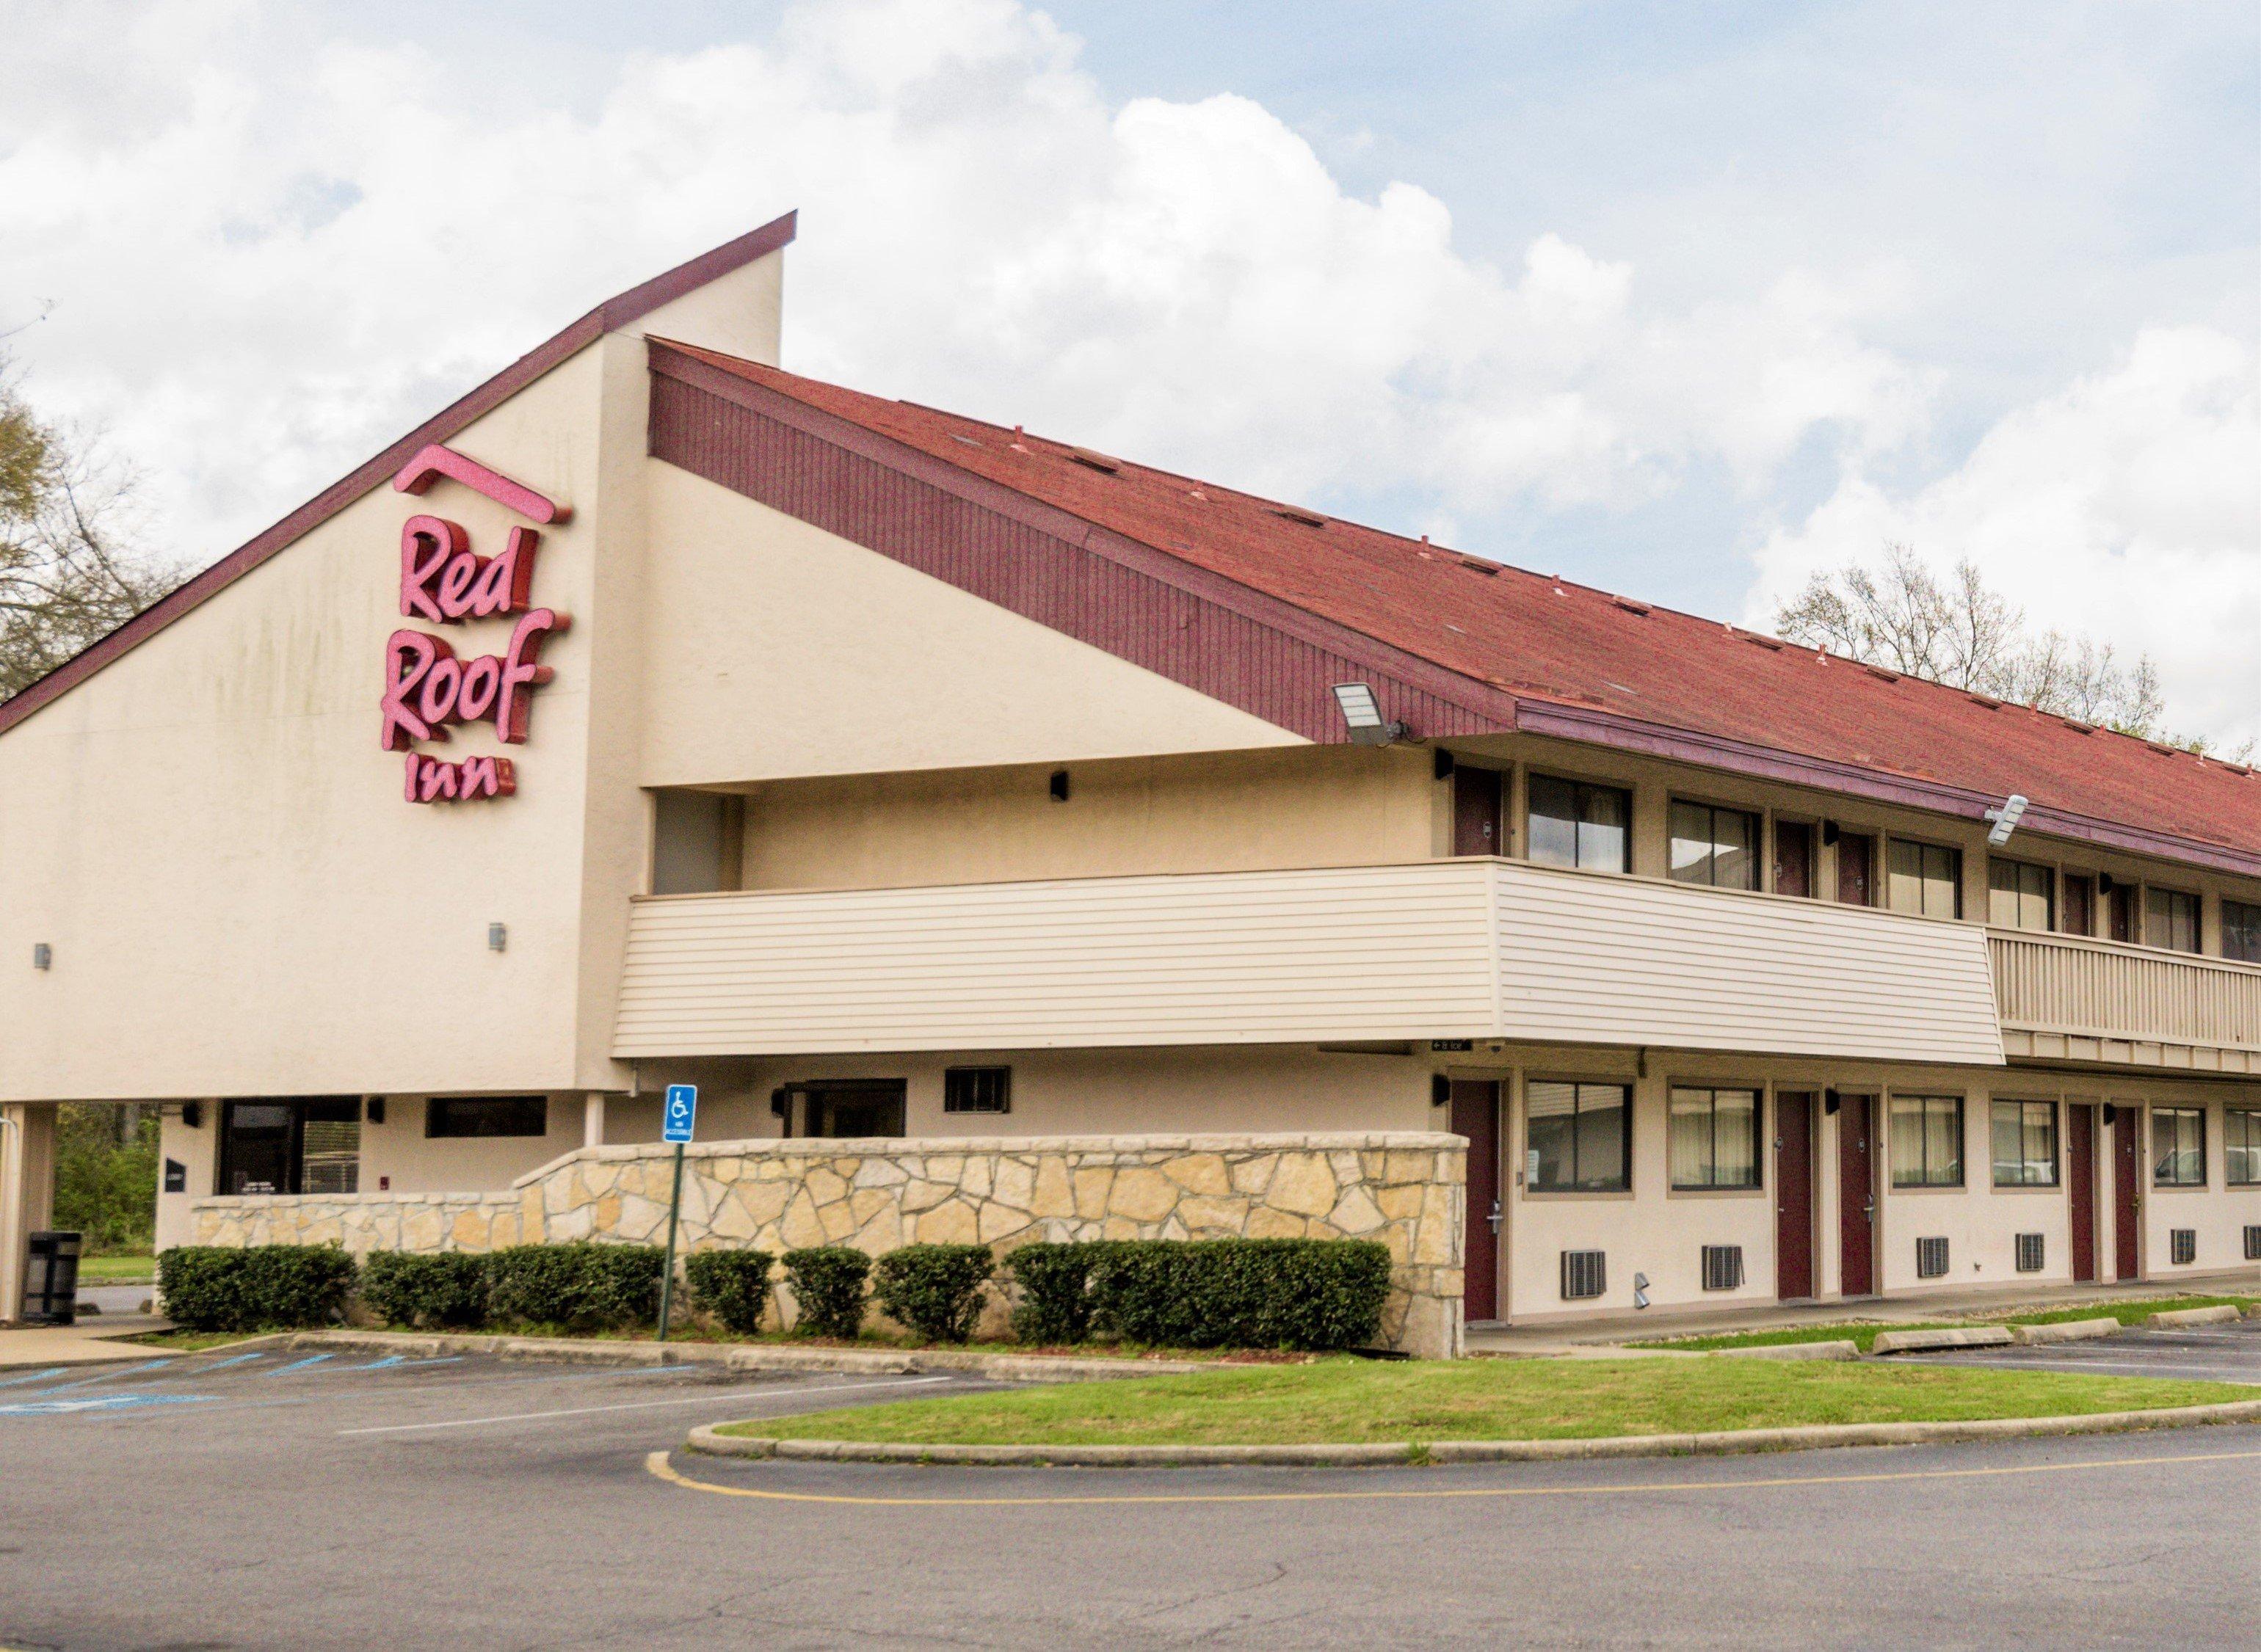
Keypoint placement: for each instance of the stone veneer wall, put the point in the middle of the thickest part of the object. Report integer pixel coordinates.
(1406, 1189)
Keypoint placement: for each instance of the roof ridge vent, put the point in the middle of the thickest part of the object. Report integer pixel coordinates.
(1095, 461)
(1879, 673)
(1775, 643)
(1477, 565)
(1630, 605)
(1986, 700)
(1296, 513)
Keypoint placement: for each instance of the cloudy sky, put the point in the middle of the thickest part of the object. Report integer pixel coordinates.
(1684, 301)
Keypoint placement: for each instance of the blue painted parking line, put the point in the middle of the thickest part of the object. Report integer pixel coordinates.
(284, 1370)
(241, 1359)
(95, 1403)
(401, 1361)
(36, 1377)
(104, 1377)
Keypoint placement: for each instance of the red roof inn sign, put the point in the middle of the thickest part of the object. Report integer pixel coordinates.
(427, 687)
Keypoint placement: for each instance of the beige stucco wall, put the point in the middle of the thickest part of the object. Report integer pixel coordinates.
(1401, 1190)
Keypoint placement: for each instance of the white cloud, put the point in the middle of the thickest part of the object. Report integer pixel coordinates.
(2128, 507)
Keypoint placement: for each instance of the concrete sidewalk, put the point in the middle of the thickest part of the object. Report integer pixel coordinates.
(86, 1343)
(1506, 1342)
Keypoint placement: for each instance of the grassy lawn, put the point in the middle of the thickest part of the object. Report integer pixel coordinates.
(1865, 1333)
(189, 1341)
(133, 1268)
(1344, 1401)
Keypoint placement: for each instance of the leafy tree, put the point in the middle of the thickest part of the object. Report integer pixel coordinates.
(71, 572)
(106, 1175)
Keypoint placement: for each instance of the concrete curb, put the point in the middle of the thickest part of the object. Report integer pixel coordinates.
(1845, 1350)
(2223, 1313)
(1926, 1341)
(708, 1442)
(2065, 1331)
(740, 1356)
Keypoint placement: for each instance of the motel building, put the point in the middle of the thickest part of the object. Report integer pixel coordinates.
(1013, 841)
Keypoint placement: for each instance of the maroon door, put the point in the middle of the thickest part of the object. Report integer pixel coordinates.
(1793, 1184)
(1855, 871)
(2126, 1190)
(1475, 1115)
(1793, 858)
(2080, 905)
(2081, 1186)
(2120, 913)
(1856, 1196)
(1475, 811)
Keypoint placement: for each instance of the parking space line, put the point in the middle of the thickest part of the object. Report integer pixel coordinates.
(241, 1359)
(284, 1370)
(36, 1377)
(637, 1405)
(95, 1403)
(104, 1377)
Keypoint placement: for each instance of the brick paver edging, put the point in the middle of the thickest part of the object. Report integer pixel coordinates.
(1728, 1443)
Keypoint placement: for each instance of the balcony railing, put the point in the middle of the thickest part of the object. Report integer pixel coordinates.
(1472, 948)
(2065, 997)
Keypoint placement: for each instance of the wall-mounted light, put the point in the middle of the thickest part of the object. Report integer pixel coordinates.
(1440, 1091)
(192, 1115)
(497, 937)
(1362, 715)
(2006, 819)
(1830, 1100)
(43, 955)
(2111, 1115)
(1829, 832)
(1059, 785)
(373, 1109)
(2106, 883)
(1444, 764)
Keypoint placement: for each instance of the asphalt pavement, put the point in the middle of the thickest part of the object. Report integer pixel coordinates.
(295, 1500)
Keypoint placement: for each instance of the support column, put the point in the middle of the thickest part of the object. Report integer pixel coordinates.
(27, 1193)
(592, 1120)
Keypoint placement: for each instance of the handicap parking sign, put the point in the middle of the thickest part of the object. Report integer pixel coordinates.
(682, 1112)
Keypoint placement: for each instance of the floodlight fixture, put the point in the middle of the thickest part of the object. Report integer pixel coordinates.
(2006, 819)
(1362, 715)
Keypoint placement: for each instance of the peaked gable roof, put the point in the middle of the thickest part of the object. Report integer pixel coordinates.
(1496, 646)
(620, 310)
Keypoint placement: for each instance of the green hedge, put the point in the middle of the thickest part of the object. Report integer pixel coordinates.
(732, 1285)
(1293, 1293)
(427, 1291)
(255, 1287)
(581, 1286)
(828, 1283)
(934, 1290)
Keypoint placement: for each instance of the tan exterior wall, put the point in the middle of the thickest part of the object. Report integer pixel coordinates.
(1401, 1190)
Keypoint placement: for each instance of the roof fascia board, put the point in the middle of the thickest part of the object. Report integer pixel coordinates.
(613, 313)
(1480, 699)
(1626, 734)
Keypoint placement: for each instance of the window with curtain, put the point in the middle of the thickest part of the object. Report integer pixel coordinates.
(1574, 824)
(2241, 932)
(2170, 920)
(2025, 1144)
(1578, 1137)
(2179, 1146)
(1714, 1138)
(1719, 847)
(1925, 879)
(2241, 1146)
(1926, 1140)
(2021, 895)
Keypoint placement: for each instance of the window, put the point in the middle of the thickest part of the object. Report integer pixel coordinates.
(1719, 847)
(1926, 1140)
(1925, 879)
(2025, 1144)
(1574, 824)
(977, 1090)
(2241, 1146)
(486, 1116)
(1577, 1138)
(2020, 896)
(2178, 1146)
(2170, 920)
(2241, 932)
(1715, 1138)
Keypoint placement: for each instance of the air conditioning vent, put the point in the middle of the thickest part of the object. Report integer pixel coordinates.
(1585, 1273)
(1931, 1258)
(2253, 1242)
(2032, 1251)
(2185, 1244)
(1723, 1267)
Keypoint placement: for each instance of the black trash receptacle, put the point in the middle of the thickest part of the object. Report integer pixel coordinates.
(50, 1280)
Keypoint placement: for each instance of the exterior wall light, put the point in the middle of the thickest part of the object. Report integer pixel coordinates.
(2006, 819)
(497, 937)
(43, 955)
(1362, 715)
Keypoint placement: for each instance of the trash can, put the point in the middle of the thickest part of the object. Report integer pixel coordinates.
(50, 1280)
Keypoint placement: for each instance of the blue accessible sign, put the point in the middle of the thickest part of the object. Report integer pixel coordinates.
(682, 1112)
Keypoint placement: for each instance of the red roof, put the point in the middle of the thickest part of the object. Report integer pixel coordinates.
(1554, 643)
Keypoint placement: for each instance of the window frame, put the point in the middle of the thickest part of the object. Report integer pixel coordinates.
(975, 1079)
(1623, 1186)
(1537, 778)
(435, 1107)
(1924, 846)
(1927, 1182)
(2251, 1148)
(1758, 1095)
(2168, 892)
(1996, 863)
(2249, 950)
(2025, 1105)
(2177, 1181)
(1756, 819)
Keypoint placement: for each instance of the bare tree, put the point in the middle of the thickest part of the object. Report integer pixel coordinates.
(1900, 615)
(70, 571)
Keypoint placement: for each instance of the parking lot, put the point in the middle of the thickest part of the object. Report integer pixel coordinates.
(2228, 1353)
